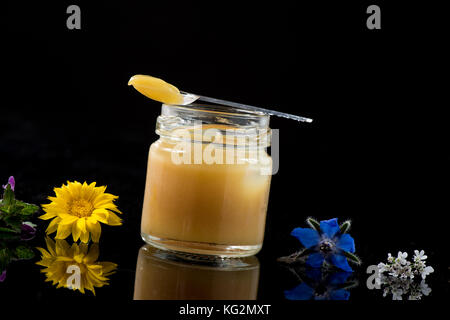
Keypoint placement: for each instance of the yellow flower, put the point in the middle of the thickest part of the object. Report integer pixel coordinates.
(63, 262)
(78, 209)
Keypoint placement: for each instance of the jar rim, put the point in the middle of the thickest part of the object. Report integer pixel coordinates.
(228, 123)
(221, 114)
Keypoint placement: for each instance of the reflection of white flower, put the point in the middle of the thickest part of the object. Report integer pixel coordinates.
(397, 294)
(415, 296)
(426, 271)
(425, 288)
(398, 287)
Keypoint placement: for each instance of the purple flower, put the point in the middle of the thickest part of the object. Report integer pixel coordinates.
(327, 243)
(28, 231)
(11, 182)
(3, 276)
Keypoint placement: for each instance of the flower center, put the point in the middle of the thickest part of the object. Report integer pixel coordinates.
(81, 208)
(326, 246)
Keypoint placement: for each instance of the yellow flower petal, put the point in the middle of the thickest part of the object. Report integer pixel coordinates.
(63, 231)
(68, 219)
(81, 224)
(53, 226)
(47, 216)
(94, 228)
(114, 220)
(84, 236)
(101, 215)
(76, 232)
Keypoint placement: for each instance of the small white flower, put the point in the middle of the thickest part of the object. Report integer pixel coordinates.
(401, 257)
(390, 258)
(427, 271)
(394, 274)
(382, 267)
(419, 264)
(419, 255)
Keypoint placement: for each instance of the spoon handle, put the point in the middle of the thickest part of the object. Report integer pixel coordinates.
(253, 108)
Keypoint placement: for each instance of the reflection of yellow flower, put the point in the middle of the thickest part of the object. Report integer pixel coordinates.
(78, 209)
(61, 258)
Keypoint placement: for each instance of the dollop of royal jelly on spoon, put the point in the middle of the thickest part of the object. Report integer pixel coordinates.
(156, 89)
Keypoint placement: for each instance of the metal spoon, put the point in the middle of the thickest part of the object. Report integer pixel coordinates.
(189, 98)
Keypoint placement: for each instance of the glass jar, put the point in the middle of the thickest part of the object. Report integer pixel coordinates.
(208, 181)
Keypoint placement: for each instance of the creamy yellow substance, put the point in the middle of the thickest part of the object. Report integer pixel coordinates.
(156, 89)
(212, 203)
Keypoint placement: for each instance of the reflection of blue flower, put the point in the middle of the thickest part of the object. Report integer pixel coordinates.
(320, 288)
(327, 243)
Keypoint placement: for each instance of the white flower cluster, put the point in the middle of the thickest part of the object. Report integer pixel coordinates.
(396, 276)
(401, 268)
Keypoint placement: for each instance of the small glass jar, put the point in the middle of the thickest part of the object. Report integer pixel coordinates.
(208, 181)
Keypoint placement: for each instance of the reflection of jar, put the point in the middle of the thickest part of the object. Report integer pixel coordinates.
(208, 181)
(163, 275)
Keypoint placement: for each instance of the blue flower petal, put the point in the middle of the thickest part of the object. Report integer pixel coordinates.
(340, 294)
(341, 262)
(338, 278)
(307, 236)
(300, 292)
(346, 242)
(315, 260)
(329, 227)
(315, 274)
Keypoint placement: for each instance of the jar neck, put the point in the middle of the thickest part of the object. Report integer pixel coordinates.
(214, 124)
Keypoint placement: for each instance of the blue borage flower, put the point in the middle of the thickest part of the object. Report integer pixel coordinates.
(327, 242)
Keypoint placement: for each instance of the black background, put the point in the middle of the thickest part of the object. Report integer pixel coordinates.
(377, 151)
